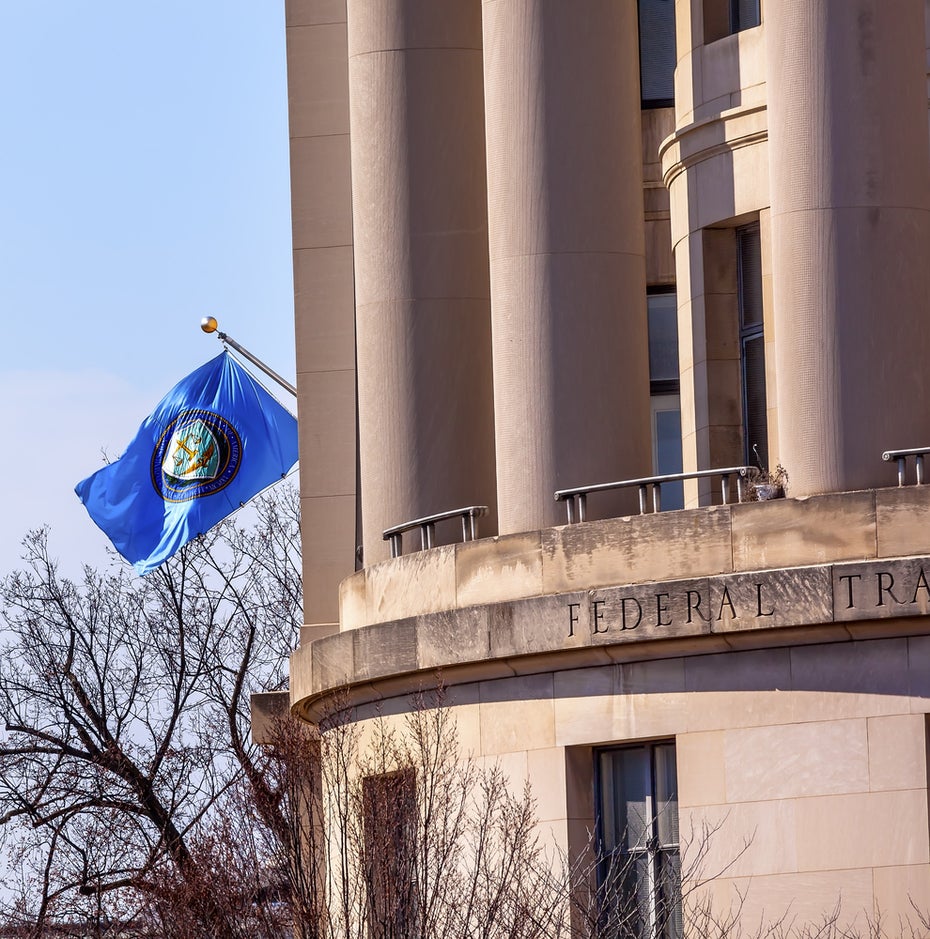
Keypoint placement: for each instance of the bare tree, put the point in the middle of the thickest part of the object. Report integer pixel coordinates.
(401, 835)
(132, 801)
(125, 702)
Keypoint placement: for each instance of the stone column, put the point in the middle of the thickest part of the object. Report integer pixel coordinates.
(426, 436)
(850, 190)
(324, 301)
(571, 384)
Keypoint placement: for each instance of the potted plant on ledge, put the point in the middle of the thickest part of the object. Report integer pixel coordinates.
(766, 484)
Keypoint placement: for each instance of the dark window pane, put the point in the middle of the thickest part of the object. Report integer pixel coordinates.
(668, 899)
(624, 790)
(744, 14)
(756, 426)
(641, 891)
(389, 804)
(750, 276)
(625, 897)
(666, 789)
(657, 51)
(668, 452)
(663, 336)
(639, 875)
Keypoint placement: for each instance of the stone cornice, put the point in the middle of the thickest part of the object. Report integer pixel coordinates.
(825, 603)
(874, 546)
(706, 139)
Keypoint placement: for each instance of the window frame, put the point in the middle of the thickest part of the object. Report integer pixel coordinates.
(660, 404)
(389, 831)
(752, 332)
(735, 25)
(665, 395)
(652, 848)
(663, 386)
(648, 104)
(722, 19)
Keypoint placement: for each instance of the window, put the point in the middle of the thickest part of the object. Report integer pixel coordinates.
(744, 14)
(390, 853)
(725, 17)
(752, 345)
(662, 308)
(657, 53)
(639, 866)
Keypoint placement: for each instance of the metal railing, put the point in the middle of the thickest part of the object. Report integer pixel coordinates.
(901, 457)
(427, 525)
(577, 497)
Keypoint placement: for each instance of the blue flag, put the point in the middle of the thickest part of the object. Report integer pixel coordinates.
(214, 441)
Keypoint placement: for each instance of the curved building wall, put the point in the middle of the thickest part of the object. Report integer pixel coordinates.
(808, 765)
(715, 165)
(784, 647)
(818, 114)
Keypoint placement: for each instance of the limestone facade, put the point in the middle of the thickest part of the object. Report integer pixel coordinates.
(485, 207)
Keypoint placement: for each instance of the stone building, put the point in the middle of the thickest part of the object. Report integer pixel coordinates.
(542, 245)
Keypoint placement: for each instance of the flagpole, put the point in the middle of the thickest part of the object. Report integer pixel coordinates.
(209, 325)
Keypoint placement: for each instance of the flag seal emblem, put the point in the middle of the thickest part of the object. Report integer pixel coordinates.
(216, 433)
(197, 454)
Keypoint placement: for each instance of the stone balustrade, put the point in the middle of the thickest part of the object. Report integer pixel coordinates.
(825, 568)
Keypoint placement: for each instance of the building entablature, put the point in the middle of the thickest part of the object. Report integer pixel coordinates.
(722, 134)
(824, 569)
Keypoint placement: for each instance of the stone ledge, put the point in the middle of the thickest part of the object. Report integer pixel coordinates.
(640, 549)
(643, 620)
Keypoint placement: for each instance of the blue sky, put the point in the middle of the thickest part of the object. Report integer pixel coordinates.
(144, 185)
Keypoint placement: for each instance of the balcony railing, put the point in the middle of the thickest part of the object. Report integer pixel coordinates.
(427, 525)
(576, 499)
(901, 457)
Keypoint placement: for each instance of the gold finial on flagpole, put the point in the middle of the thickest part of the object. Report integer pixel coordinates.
(209, 325)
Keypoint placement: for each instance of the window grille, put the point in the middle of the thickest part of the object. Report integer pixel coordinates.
(752, 345)
(657, 54)
(638, 841)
